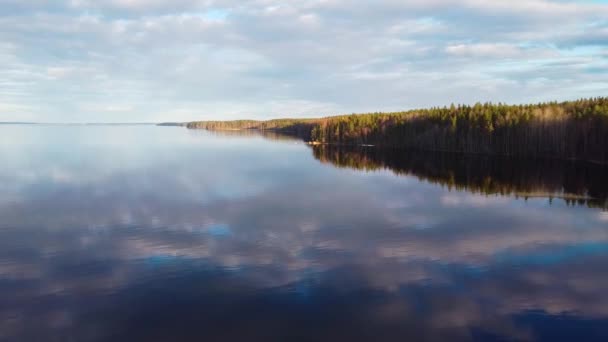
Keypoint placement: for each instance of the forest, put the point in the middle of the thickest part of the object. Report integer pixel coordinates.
(572, 130)
(297, 127)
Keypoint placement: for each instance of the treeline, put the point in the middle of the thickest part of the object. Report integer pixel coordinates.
(574, 182)
(297, 127)
(172, 124)
(567, 130)
(576, 130)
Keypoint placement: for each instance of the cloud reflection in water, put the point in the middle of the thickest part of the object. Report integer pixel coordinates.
(192, 238)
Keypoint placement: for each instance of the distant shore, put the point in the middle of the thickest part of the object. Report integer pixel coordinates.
(571, 130)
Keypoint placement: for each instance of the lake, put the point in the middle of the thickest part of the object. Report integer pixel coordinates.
(124, 233)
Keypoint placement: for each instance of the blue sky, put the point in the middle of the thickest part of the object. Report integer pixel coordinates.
(160, 60)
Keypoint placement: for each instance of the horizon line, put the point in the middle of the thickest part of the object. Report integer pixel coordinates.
(76, 123)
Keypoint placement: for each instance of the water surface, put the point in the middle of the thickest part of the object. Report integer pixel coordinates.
(162, 233)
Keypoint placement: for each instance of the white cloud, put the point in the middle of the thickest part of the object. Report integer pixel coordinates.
(156, 56)
(484, 50)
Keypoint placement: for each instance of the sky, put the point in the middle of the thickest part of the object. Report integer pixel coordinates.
(181, 60)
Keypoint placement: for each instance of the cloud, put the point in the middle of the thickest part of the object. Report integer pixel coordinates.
(484, 50)
(270, 56)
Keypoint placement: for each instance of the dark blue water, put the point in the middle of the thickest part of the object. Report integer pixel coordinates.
(144, 233)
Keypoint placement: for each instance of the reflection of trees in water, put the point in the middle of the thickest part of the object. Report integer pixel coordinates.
(575, 183)
(247, 133)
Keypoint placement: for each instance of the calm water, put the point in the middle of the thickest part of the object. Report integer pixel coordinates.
(164, 234)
